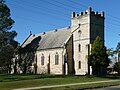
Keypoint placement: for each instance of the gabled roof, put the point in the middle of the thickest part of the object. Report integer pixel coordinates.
(51, 39)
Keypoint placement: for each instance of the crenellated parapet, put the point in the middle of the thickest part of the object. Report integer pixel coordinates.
(87, 12)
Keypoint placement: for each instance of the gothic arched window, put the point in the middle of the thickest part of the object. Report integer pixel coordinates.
(56, 59)
(79, 65)
(79, 48)
(42, 59)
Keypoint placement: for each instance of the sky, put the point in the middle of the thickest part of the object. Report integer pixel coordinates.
(44, 15)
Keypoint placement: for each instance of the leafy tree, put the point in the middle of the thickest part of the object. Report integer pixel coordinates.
(5, 23)
(117, 67)
(118, 49)
(110, 52)
(27, 56)
(7, 43)
(98, 58)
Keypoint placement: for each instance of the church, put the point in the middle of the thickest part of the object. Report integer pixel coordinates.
(65, 50)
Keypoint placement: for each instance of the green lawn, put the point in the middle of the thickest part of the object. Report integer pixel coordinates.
(9, 82)
(81, 87)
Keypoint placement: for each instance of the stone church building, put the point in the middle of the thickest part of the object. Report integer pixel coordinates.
(66, 50)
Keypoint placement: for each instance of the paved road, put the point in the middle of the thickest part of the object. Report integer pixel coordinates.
(107, 88)
(31, 88)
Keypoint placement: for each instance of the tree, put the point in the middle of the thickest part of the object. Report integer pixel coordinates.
(7, 43)
(5, 23)
(117, 67)
(98, 58)
(110, 52)
(28, 57)
(118, 50)
(118, 47)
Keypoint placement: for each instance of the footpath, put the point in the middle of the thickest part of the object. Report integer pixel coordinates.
(52, 86)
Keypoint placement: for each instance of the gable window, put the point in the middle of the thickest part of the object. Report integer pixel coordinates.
(79, 65)
(79, 48)
(56, 59)
(42, 59)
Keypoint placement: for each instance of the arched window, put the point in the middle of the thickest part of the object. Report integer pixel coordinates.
(79, 33)
(42, 59)
(79, 48)
(56, 59)
(79, 65)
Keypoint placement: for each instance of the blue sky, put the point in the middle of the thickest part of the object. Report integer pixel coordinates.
(44, 15)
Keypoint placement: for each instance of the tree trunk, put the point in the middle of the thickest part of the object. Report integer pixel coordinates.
(25, 67)
(96, 70)
(15, 67)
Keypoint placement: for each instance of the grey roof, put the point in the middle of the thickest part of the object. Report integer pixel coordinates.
(51, 39)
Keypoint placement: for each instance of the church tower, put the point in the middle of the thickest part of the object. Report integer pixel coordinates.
(86, 26)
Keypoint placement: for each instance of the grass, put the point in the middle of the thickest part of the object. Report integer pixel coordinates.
(9, 82)
(82, 87)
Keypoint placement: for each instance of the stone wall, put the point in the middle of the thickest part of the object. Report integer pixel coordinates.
(96, 26)
(81, 37)
(69, 51)
(49, 59)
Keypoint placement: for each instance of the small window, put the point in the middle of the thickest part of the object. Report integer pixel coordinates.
(79, 33)
(79, 48)
(88, 48)
(79, 65)
(56, 59)
(42, 59)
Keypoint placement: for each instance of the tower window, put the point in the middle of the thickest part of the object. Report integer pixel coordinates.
(79, 65)
(42, 59)
(79, 33)
(79, 48)
(56, 59)
(87, 47)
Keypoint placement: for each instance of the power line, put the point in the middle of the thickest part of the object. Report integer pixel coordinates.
(61, 15)
(70, 6)
(58, 2)
(115, 18)
(36, 20)
(57, 13)
(57, 5)
(114, 24)
(44, 7)
(78, 4)
(54, 16)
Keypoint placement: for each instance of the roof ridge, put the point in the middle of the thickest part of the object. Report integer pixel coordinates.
(51, 39)
(53, 30)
